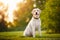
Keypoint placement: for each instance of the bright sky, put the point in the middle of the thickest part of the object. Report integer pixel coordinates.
(12, 4)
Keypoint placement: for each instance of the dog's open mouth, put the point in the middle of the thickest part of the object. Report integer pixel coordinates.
(36, 13)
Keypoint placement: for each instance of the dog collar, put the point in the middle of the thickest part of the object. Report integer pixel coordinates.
(35, 18)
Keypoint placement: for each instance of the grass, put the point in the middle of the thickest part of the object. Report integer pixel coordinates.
(18, 35)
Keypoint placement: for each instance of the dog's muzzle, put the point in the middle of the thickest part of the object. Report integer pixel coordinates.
(36, 14)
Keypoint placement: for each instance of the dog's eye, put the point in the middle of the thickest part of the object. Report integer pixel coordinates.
(34, 10)
(37, 10)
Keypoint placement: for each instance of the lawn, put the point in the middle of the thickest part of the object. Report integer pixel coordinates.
(18, 35)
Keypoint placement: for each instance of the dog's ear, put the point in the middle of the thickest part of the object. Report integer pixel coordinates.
(39, 10)
(32, 11)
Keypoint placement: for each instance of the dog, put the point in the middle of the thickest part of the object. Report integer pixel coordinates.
(34, 24)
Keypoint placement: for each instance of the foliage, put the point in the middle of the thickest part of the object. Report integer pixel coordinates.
(50, 16)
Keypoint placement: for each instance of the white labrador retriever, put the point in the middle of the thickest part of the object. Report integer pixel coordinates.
(35, 23)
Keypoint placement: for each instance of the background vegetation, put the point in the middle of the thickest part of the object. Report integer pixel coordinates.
(50, 15)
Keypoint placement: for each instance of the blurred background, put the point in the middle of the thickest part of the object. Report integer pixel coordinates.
(16, 14)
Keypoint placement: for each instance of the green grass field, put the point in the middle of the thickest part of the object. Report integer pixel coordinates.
(18, 35)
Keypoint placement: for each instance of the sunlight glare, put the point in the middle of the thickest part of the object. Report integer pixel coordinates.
(12, 5)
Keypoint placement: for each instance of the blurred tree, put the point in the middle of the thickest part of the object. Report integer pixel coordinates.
(23, 14)
(3, 26)
(51, 16)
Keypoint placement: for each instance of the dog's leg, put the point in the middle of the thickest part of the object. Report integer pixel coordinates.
(39, 30)
(33, 31)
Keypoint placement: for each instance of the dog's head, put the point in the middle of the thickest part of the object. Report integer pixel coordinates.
(36, 12)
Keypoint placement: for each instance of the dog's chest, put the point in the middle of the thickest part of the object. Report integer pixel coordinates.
(36, 23)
